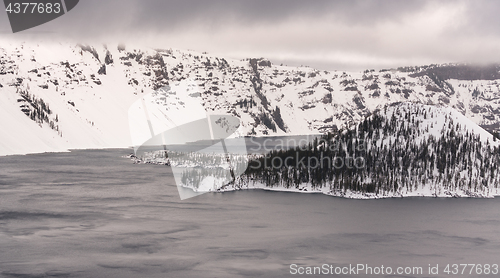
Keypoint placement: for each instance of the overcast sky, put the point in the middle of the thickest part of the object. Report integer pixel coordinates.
(323, 34)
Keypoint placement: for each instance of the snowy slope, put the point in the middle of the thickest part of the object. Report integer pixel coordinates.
(89, 115)
(91, 88)
(411, 150)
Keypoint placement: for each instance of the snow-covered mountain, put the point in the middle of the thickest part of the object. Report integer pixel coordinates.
(404, 149)
(56, 96)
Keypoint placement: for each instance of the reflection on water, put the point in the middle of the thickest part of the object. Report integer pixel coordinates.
(95, 214)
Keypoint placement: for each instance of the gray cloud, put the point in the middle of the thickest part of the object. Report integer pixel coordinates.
(484, 17)
(326, 34)
(162, 15)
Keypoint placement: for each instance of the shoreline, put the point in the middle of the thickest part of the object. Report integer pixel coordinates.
(362, 196)
(427, 190)
(424, 191)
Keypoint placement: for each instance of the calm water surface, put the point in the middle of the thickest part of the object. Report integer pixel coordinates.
(94, 214)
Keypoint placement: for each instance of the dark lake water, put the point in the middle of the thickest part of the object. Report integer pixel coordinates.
(94, 214)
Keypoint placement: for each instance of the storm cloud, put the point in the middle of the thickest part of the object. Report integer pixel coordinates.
(323, 34)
